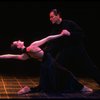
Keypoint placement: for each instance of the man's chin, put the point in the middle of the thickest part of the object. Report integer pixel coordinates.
(52, 22)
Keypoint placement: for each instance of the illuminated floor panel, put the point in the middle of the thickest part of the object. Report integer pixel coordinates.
(10, 85)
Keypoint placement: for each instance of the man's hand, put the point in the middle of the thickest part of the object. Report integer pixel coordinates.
(65, 32)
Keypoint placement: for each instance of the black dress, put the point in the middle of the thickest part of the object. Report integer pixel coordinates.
(54, 78)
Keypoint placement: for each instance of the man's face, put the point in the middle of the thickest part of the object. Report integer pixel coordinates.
(53, 18)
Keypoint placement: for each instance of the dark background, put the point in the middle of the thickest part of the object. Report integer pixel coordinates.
(29, 21)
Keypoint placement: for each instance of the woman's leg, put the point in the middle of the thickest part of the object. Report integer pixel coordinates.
(56, 78)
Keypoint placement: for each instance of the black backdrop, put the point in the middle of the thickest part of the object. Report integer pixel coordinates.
(29, 21)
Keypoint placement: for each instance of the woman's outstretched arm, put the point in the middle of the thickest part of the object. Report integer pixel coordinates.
(49, 38)
(14, 56)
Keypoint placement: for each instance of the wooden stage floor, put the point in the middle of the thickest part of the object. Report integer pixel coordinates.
(11, 84)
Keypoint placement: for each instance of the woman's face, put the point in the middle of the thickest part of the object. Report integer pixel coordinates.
(19, 44)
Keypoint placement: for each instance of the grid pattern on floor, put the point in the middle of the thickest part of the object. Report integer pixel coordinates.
(10, 85)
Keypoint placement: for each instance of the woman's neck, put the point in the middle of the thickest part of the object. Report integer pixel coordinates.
(23, 47)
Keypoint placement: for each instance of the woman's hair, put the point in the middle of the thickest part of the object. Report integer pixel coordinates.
(14, 47)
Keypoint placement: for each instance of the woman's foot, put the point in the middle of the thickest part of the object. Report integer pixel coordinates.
(24, 90)
(86, 90)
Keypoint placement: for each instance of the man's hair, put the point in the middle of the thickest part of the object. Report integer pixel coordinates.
(56, 12)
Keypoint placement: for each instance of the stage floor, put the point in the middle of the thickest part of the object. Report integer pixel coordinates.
(11, 84)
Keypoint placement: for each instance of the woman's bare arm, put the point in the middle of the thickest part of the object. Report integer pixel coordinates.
(14, 56)
(49, 38)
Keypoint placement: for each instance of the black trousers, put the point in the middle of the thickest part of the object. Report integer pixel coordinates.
(56, 78)
(77, 57)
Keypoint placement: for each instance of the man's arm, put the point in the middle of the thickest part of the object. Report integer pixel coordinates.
(14, 56)
(49, 38)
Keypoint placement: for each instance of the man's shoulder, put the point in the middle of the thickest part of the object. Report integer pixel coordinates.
(68, 21)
